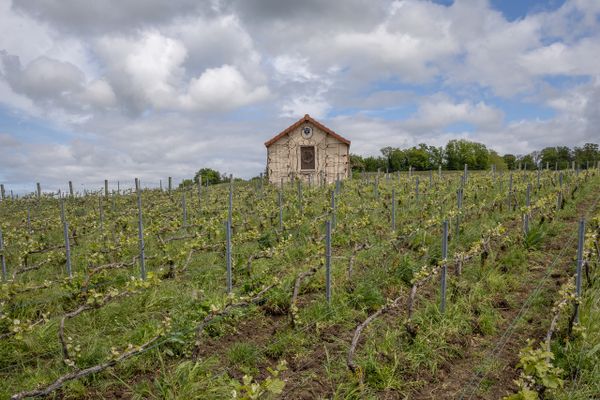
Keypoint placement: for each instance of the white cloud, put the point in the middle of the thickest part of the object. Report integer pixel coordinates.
(145, 69)
(153, 89)
(221, 89)
(293, 68)
(439, 111)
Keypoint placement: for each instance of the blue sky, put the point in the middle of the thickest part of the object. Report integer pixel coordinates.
(125, 89)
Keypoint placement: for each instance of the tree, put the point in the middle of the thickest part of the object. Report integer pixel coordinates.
(356, 162)
(588, 154)
(495, 159)
(526, 162)
(510, 160)
(418, 157)
(461, 152)
(549, 156)
(186, 183)
(564, 156)
(372, 164)
(210, 175)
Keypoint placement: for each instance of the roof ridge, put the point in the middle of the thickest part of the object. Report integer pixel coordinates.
(301, 121)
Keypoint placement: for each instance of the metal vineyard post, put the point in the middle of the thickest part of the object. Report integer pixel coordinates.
(230, 210)
(228, 255)
(581, 239)
(184, 209)
(66, 237)
(328, 261)
(2, 257)
(333, 218)
(280, 201)
(29, 220)
(527, 204)
(444, 266)
(393, 209)
(300, 196)
(140, 229)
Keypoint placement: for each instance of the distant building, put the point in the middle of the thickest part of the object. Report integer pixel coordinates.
(309, 151)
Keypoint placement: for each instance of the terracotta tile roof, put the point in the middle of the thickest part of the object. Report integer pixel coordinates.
(306, 118)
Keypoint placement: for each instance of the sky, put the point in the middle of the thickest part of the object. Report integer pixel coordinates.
(118, 89)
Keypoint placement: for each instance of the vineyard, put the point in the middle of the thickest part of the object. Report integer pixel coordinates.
(409, 285)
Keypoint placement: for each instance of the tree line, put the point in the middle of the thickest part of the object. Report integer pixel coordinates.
(477, 156)
(453, 156)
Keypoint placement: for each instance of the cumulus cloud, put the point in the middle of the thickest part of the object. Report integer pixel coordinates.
(153, 88)
(223, 88)
(439, 111)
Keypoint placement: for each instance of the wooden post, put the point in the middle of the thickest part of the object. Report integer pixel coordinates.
(170, 184)
(70, 188)
(39, 190)
(106, 188)
(140, 229)
(2, 192)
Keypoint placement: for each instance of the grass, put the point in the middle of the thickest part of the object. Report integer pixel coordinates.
(392, 362)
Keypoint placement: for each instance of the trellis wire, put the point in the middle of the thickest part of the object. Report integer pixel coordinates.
(477, 378)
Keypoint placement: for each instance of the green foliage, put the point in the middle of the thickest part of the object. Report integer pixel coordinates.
(538, 372)
(186, 183)
(460, 152)
(210, 175)
(366, 297)
(510, 160)
(477, 156)
(186, 284)
(244, 354)
(534, 238)
(271, 387)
